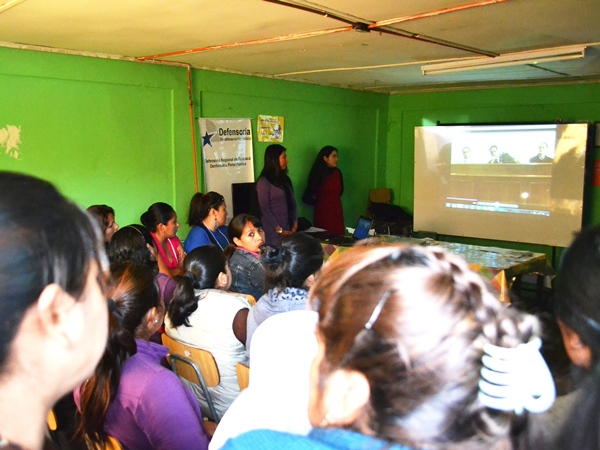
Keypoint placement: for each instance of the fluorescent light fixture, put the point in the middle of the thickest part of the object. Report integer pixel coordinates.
(508, 59)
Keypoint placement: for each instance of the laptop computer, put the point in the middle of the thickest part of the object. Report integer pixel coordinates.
(361, 231)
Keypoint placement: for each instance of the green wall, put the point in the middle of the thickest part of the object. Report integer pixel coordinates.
(315, 116)
(103, 131)
(570, 103)
(119, 133)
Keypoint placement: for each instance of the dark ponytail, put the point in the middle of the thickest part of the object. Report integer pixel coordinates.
(157, 213)
(202, 267)
(200, 206)
(318, 173)
(292, 261)
(184, 302)
(133, 289)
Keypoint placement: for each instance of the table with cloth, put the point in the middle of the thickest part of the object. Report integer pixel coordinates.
(499, 266)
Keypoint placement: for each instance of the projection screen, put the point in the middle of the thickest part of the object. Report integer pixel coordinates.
(521, 183)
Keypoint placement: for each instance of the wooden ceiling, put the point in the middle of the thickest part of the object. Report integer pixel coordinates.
(371, 45)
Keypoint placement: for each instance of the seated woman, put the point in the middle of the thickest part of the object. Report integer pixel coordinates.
(202, 314)
(277, 396)
(54, 314)
(290, 269)
(131, 396)
(135, 243)
(578, 312)
(161, 222)
(409, 339)
(247, 273)
(207, 217)
(105, 216)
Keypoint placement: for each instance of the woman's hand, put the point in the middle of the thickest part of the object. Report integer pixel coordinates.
(181, 254)
(295, 227)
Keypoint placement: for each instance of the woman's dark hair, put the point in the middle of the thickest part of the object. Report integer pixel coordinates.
(272, 169)
(130, 244)
(422, 353)
(100, 213)
(318, 172)
(201, 267)
(157, 213)
(581, 430)
(201, 204)
(44, 239)
(237, 224)
(273, 173)
(576, 297)
(132, 291)
(292, 261)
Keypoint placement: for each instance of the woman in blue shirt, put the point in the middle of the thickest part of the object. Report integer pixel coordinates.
(207, 217)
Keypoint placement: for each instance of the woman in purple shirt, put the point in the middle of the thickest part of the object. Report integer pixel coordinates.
(131, 396)
(276, 196)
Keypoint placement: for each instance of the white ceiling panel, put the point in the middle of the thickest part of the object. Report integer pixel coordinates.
(379, 60)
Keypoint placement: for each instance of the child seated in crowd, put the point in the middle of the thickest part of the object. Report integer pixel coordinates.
(247, 272)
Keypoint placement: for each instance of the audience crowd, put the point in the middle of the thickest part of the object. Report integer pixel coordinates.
(385, 347)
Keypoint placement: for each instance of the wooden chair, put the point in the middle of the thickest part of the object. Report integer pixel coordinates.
(51, 421)
(195, 365)
(111, 444)
(51, 426)
(243, 375)
(250, 299)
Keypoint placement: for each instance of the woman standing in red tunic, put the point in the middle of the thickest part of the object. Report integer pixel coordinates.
(324, 191)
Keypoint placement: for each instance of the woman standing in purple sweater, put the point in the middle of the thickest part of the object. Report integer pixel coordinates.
(276, 196)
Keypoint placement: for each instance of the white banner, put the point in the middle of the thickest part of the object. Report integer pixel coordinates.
(227, 155)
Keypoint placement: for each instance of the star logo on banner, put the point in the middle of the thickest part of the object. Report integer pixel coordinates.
(206, 139)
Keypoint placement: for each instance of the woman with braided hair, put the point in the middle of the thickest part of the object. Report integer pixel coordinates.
(414, 352)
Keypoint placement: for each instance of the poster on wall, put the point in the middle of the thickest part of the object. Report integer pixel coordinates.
(270, 129)
(226, 154)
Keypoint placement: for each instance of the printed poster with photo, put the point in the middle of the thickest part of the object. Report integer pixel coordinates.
(270, 129)
(226, 154)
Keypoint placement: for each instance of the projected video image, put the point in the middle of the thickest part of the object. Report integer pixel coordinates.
(505, 145)
(472, 180)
